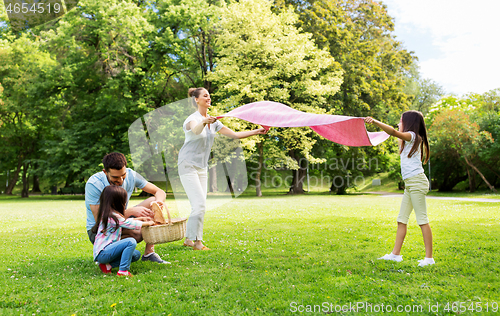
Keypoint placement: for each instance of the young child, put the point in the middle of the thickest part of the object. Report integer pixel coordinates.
(413, 140)
(109, 250)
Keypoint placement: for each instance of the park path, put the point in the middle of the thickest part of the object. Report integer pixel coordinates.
(390, 194)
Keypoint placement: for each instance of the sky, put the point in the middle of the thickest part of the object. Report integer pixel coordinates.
(457, 42)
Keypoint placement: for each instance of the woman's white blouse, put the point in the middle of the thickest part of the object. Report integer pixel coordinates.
(196, 148)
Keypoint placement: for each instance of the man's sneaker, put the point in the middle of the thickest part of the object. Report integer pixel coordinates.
(154, 257)
(105, 268)
(426, 262)
(124, 273)
(397, 258)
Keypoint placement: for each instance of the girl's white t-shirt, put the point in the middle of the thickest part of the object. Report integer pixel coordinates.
(196, 148)
(411, 166)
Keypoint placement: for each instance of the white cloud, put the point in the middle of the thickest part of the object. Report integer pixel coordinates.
(465, 35)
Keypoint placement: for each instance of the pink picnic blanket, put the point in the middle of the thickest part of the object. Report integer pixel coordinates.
(345, 130)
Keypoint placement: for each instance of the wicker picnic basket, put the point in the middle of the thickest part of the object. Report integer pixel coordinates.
(174, 229)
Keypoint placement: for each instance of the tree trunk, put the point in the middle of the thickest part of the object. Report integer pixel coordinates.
(15, 177)
(298, 175)
(298, 181)
(492, 188)
(36, 184)
(494, 172)
(26, 184)
(69, 179)
(401, 185)
(339, 190)
(473, 174)
(230, 187)
(489, 168)
(448, 182)
(472, 182)
(258, 184)
(212, 175)
(213, 179)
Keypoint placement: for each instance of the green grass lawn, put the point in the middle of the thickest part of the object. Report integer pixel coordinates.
(270, 256)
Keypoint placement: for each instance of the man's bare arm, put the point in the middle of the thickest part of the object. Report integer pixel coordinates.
(159, 194)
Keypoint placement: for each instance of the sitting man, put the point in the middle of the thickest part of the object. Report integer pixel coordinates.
(115, 172)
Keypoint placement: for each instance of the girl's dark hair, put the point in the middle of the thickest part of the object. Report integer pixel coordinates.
(194, 93)
(414, 121)
(113, 199)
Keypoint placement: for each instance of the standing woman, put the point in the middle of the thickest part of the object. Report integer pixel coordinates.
(200, 129)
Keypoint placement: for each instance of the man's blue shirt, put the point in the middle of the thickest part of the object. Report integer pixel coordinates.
(99, 181)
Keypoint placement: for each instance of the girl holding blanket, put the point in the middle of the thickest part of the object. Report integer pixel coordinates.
(200, 129)
(109, 250)
(413, 142)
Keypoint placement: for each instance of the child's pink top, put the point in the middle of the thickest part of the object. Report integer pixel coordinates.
(113, 233)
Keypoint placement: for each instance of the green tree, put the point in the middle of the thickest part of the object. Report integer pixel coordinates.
(487, 116)
(454, 135)
(181, 53)
(31, 105)
(185, 34)
(489, 152)
(4, 22)
(102, 44)
(263, 56)
(122, 59)
(359, 35)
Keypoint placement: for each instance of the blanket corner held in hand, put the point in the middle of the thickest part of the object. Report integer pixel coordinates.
(344, 130)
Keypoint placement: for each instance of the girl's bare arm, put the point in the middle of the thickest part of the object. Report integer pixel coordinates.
(389, 129)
